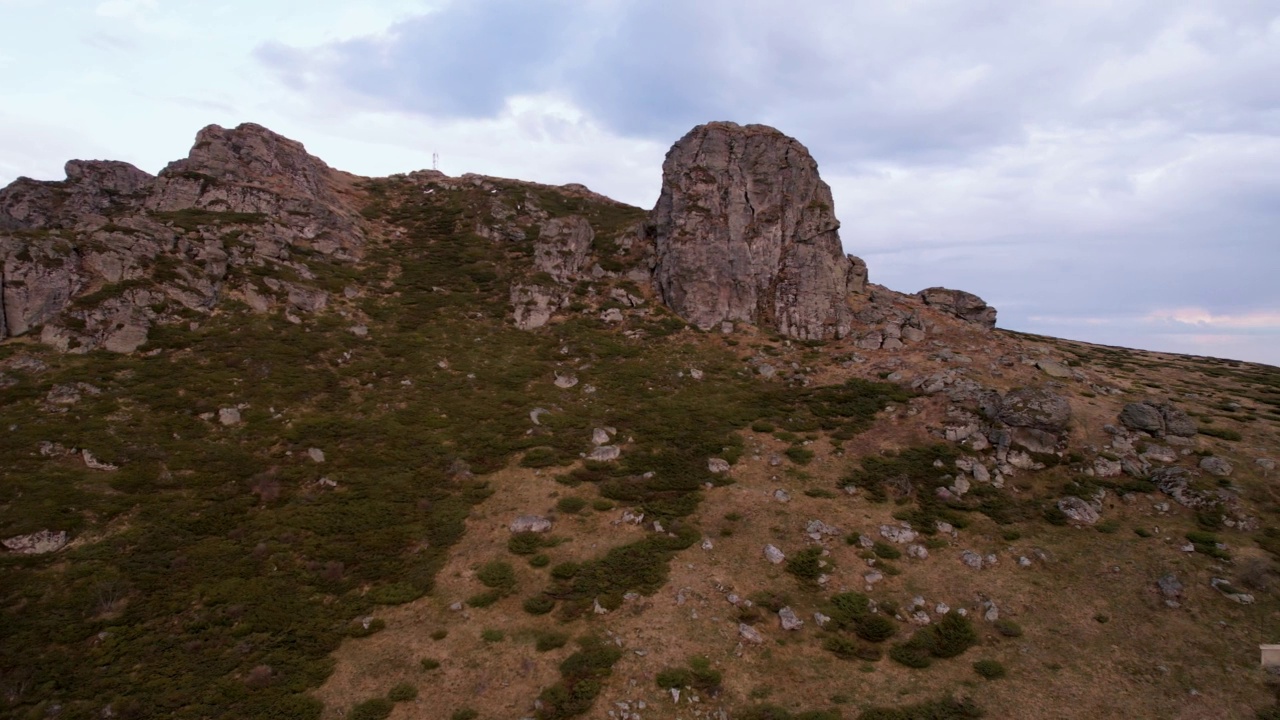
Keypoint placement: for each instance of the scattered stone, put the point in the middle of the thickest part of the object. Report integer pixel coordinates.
(750, 634)
(695, 373)
(612, 315)
(1105, 468)
(815, 529)
(1171, 589)
(820, 619)
(1024, 561)
(1215, 465)
(632, 517)
(530, 523)
(788, 618)
(991, 612)
(872, 577)
(599, 609)
(773, 554)
(717, 465)
(536, 413)
(37, 543)
(898, 535)
(605, 453)
(229, 416)
(707, 544)
(1078, 510)
(972, 559)
(1226, 588)
(94, 464)
(565, 382)
(1267, 464)
(1054, 369)
(918, 552)
(781, 495)
(316, 455)
(1159, 453)
(766, 370)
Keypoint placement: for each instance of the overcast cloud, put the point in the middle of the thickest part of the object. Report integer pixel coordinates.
(1108, 171)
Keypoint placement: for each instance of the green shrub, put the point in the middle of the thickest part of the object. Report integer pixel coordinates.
(676, 677)
(951, 636)
(541, 457)
(539, 604)
(874, 628)
(885, 550)
(540, 560)
(761, 426)
(806, 565)
(571, 504)
(1008, 628)
(439, 634)
(565, 570)
(1221, 433)
(372, 709)
(545, 640)
(944, 709)
(497, 575)
(464, 714)
(912, 655)
(581, 675)
(799, 455)
(484, 599)
(842, 647)
(491, 635)
(602, 505)
(403, 692)
(990, 669)
(525, 543)
(359, 630)
(429, 663)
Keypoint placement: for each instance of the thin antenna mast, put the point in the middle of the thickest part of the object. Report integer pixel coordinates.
(435, 161)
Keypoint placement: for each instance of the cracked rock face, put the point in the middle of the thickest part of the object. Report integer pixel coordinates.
(745, 231)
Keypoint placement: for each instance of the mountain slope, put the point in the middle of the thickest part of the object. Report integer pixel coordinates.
(287, 417)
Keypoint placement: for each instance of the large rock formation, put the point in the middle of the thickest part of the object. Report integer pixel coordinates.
(139, 246)
(745, 231)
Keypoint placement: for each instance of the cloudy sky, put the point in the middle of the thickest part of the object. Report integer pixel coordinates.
(1101, 170)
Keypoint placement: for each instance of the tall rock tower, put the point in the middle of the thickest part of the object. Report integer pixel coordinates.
(745, 231)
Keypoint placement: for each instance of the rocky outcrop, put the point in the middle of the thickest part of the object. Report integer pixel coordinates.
(1157, 419)
(96, 260)
(966, 306)
(744, 230)
(1034, 408)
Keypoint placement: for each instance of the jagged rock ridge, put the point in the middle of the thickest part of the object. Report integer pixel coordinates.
(745, 232)
(136, 249)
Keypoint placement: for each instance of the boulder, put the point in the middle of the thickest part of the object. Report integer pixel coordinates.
(1215, 465)
(530, 523)
(1157, 419)
(605, 453)
(1029, 407)
(744, 230)
(38, 543)
(789, 620)
(960, 304)
(1142, 417)
(1078, 510)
